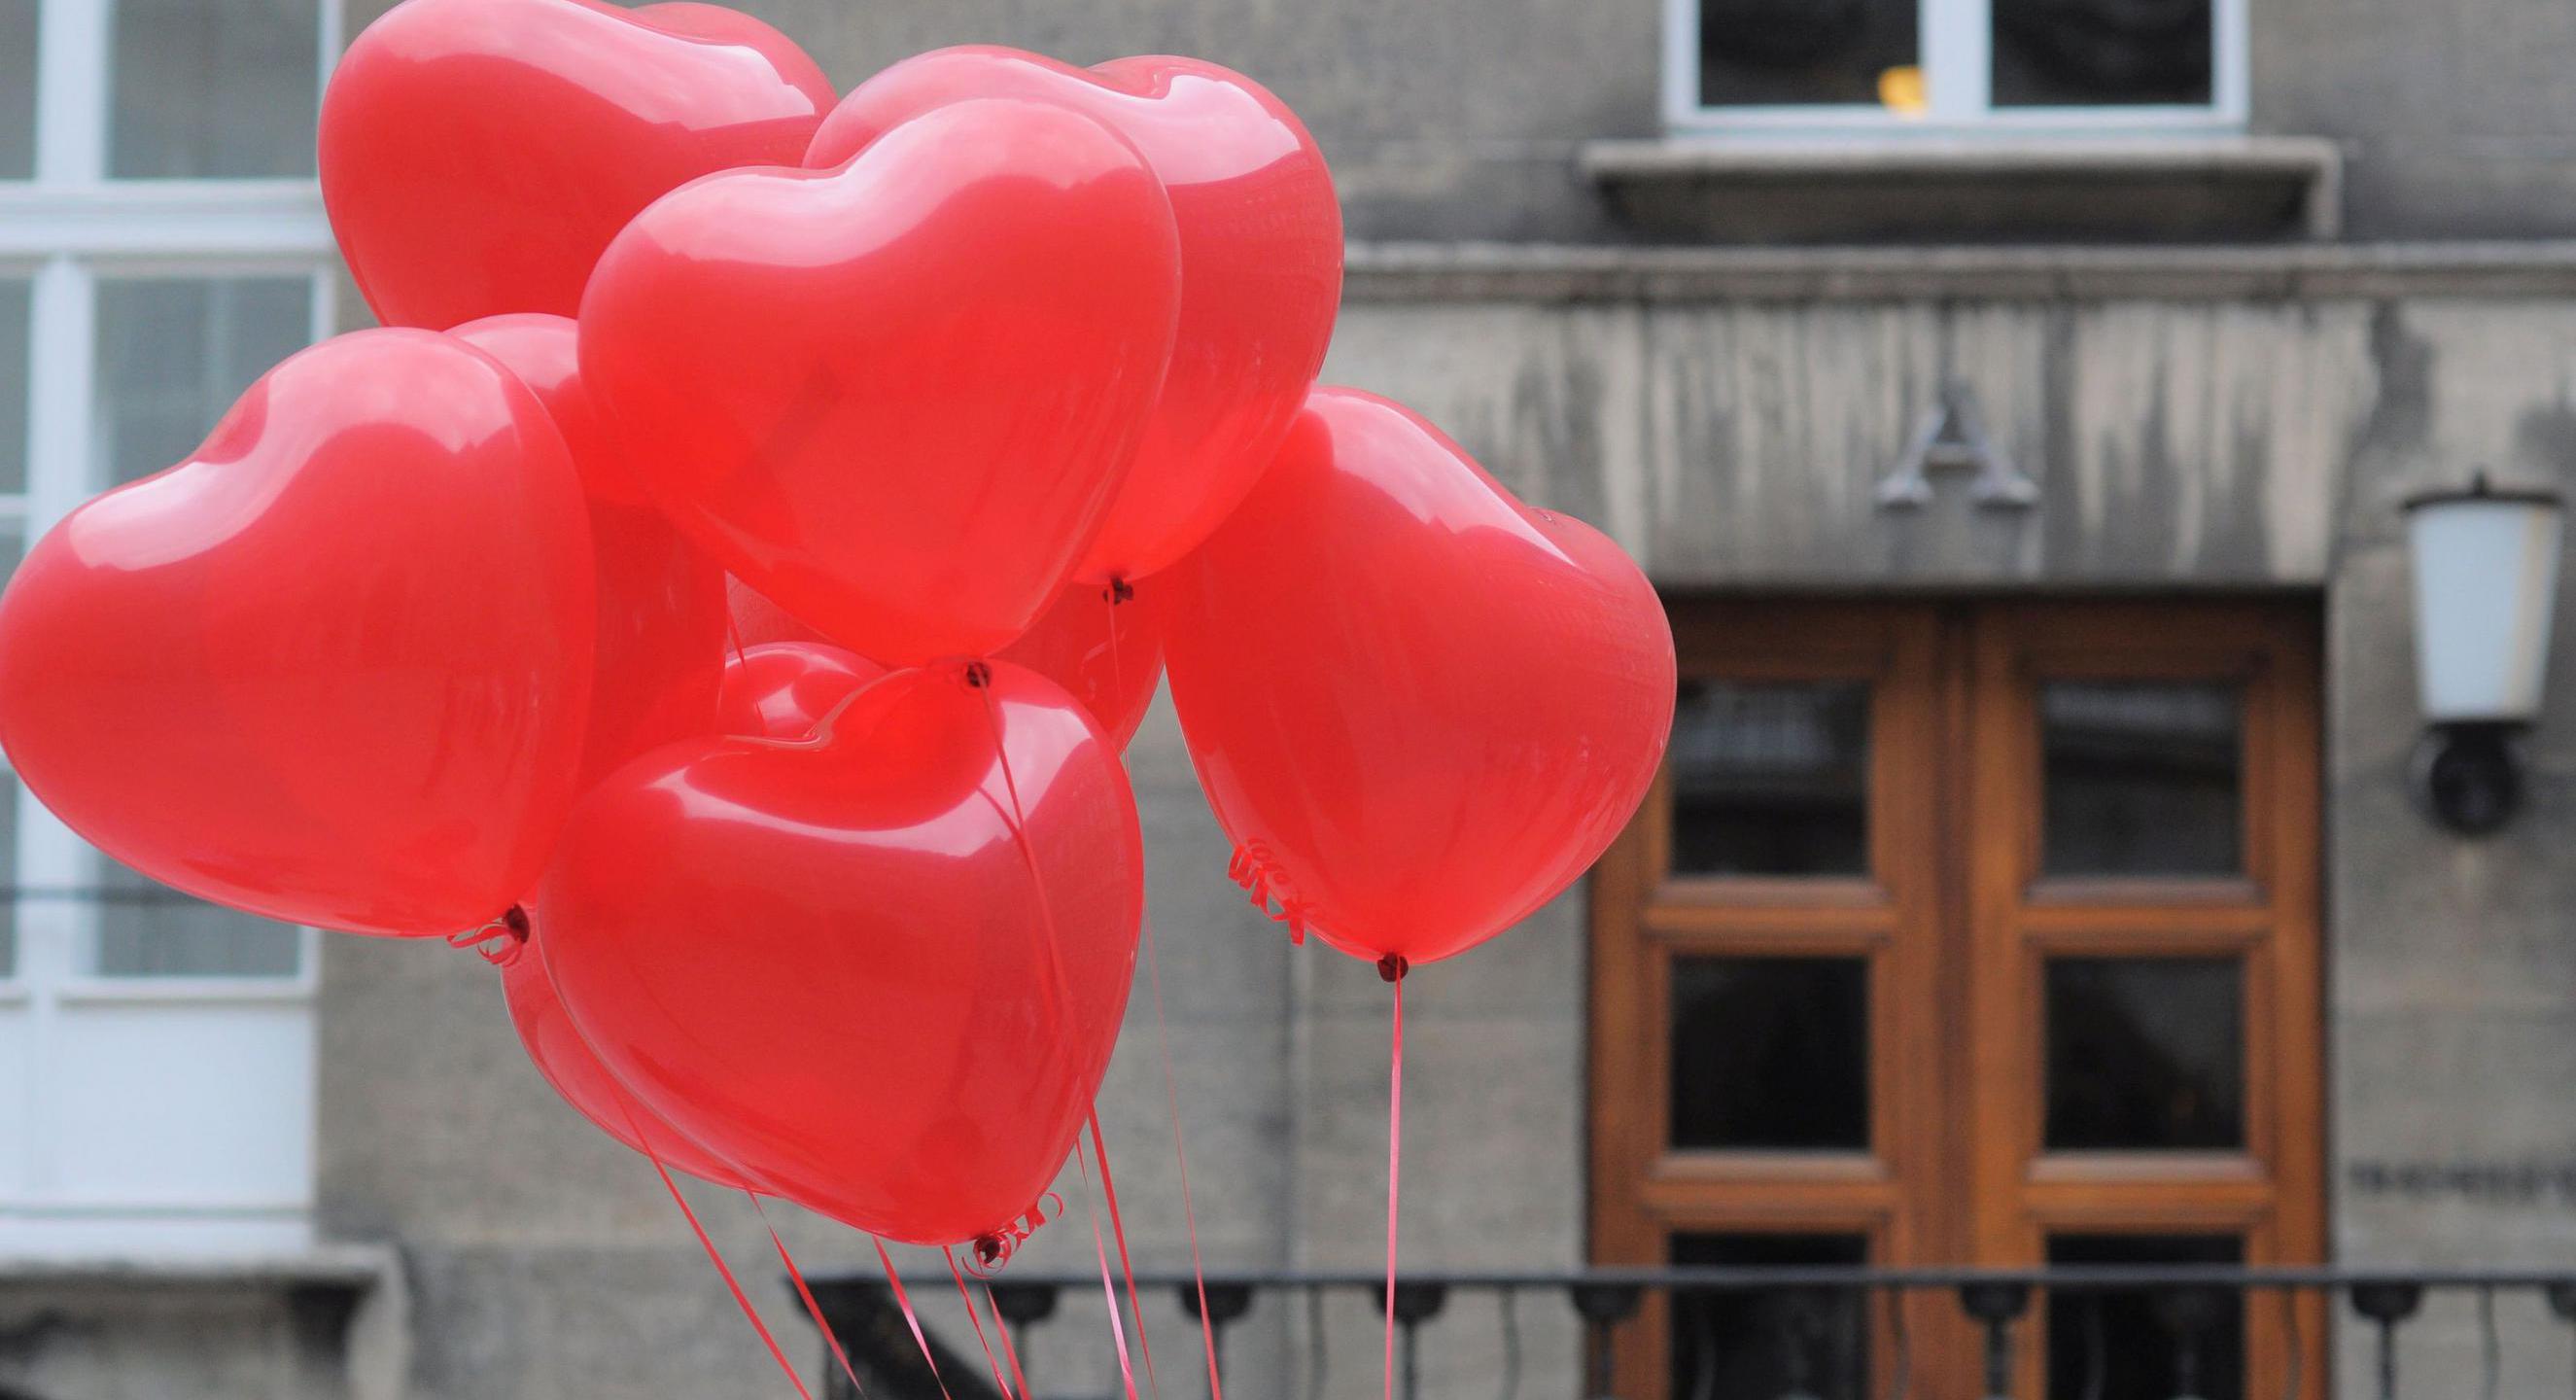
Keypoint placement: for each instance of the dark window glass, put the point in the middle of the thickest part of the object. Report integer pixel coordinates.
(2147, 1344)
(15, 303)
(149, 930)
(1760, 1345)
(2101, 53)
(2145, 1053)
(173, 354)
(2142, 778)
(214, 89)
(1771, 779)
(1761, 53)
(17, 89)
(1770, 1053)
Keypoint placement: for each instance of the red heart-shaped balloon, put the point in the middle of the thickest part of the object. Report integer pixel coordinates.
(1101, 642)
(896, 396)
(784, 690)
(1420, 707)
(333, 668)
(847, 964)
(477, 155)
(1261, 263)
(661, 619)
(573, 1070)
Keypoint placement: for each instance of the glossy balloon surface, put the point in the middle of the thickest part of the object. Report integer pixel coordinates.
(1261, 263)
(897, 395)
(783, 690)
(1109, 658)
(1420, 707)
(573, 1069)
(333, 668)
(831, 963)
(661, 605)
(478, 155)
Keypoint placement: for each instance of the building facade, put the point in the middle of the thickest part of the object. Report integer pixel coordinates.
(2014, 401)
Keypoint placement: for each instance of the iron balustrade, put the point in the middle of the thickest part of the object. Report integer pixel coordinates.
(861, 1311)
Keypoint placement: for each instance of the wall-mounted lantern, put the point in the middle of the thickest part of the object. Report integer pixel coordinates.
(2486, 580)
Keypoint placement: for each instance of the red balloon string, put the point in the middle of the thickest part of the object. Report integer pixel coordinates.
(733, 1285)
(976, 1320)
(1009, 1352)
(979, 677)
(1118, 1231)
(1181, 1153)
(812, 1309)
(911, 1319)
(1116, 593)
(1108, 1290)
(1392, 968)
(733, 634)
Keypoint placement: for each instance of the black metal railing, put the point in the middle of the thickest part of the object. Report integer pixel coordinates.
(1834, 1333)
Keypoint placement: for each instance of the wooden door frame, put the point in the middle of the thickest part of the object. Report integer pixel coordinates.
(1890, 916)
(1947, 896)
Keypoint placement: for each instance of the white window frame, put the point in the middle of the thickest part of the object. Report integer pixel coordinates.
(63, 231)
(1956, 59)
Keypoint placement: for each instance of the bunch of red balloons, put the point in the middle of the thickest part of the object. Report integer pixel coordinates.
(729, 582)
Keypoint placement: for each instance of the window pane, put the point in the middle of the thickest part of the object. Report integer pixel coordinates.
(9, 871)
(172, 356)
(1761, 53)
(2142, 778)
(2145, 1345)
(214, 89)
(17, 89)
(15, 296)
(2096, 53)
(2145, 1053)
(1770, 1053)
(14, 293)
(1774, 1342)
(174, 353)
(1771, 779)
(147, 930)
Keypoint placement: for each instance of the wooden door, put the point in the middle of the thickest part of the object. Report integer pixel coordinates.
(1966, 933)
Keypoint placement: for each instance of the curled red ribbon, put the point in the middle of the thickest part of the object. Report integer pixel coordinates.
(499, 941)
(994, 1249)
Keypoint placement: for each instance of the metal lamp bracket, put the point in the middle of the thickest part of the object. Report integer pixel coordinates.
(1951, 435)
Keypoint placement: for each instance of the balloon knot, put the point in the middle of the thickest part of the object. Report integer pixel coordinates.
(978, 675)
(1118, 591)
(1392, 967)
(499, 941)
(994, 1248)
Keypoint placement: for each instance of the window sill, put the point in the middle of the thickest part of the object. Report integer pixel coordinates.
(351, 1270)
(1993, 188)
(153, 1323)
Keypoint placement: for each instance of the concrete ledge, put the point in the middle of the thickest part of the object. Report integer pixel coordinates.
(331, 1323)
(1546, 273)
(2169, 188)
(354, 1268)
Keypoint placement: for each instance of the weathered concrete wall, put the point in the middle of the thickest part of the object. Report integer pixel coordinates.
(1448, 122)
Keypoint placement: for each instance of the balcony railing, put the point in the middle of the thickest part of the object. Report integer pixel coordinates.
(1838, 1330)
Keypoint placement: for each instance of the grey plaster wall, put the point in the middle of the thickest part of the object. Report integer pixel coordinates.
(1463, 120)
